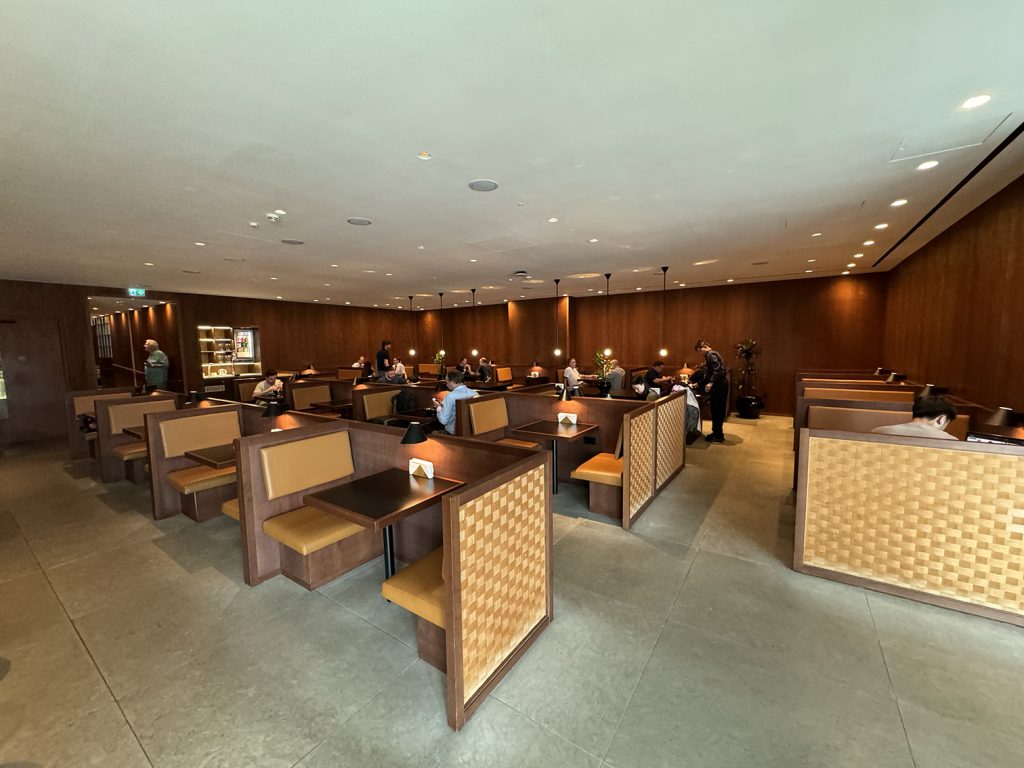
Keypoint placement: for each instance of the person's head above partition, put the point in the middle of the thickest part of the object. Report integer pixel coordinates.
(935, 410)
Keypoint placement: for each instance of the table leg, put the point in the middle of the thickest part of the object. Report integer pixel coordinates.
(554, 466)
(389, 552)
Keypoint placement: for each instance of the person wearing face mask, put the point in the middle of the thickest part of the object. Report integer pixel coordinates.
(931, 415)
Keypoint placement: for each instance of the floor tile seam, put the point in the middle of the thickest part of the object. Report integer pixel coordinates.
(365, 620)
(92, 659)
(541, 725)
(888, 673)
(313, 749)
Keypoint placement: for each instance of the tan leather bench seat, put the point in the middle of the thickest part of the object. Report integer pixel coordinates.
(603, 468)
(517, 443)
(419, 588)
(308, 529)
(196, 479)
(230, 508)
(131, 451)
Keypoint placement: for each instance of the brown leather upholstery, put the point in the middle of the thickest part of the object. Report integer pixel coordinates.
(377, 405)
(304, 397)
(865, 420)
(300, 464)
(201, 431)
(503, 375)
(134, 414)
(131, 451)
(87, 403)
(195, 479)
(603, 468)
(246, 389)
(487, 415)
(876, 395)
(419, 588)
(517, 443)
(431, 369)
(230, 508)
(308, 529)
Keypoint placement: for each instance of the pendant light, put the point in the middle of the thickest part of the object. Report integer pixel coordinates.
(664, 282)
(474, 352)
(440, 316)
(412, 330)
(607, 292)
(558, 349)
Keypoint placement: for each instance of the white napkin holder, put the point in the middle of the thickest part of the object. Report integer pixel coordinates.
(421, 468)
(568, 419)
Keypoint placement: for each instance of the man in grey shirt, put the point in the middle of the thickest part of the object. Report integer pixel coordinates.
(931, 416)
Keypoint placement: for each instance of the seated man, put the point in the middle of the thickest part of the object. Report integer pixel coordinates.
(391, 376)
(270, 386)
(572, 377)
(654, 378)
(617, 376)
(483, 370)
(399, 367)
(931, 416)
(360, 363)
(457, 390)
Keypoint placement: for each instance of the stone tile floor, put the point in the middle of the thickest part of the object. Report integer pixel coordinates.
(687, 642)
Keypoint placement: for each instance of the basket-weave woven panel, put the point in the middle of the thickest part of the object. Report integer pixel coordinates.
(945, 522)
(503, 563)
(641, 460)
(671, 436)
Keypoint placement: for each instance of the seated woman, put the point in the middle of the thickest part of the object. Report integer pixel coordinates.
(643, 389)
(271, 386)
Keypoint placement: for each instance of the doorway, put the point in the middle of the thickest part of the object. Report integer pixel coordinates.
(120, 326)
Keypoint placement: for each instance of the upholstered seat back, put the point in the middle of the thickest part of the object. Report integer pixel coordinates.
(134, 414)
(876, 395)
(865, 420)
(300, 464)
(202, 431)
(487, 415)
(246, 390)
(377, 405)
(304, 397)
(503, 375)
(429, 369)
(87, 403)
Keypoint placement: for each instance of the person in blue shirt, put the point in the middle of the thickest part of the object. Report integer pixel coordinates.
(457, 390)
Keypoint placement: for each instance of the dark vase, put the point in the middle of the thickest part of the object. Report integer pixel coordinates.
(749, 406)
(604, 388)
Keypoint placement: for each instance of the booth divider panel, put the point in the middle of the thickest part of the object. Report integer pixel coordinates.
(640, 484)
(671, 445)
(944, 521)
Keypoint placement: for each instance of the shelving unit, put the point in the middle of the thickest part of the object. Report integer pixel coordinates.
(217, 352)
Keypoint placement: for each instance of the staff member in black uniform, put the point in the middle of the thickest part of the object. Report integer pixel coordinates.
(715, 383)
(383, 357)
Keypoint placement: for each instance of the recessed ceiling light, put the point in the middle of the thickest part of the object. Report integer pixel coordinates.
(846, 272)
(375, 305)
(147, 263)
(279, 212)
(881, 226)
(163, 302)
(95, 309)
(348, 302)
(590, 289)
(600, 291)
(927, 164)
(424, 155)
(327, 285)
(420, 247)
(858, 255)
(472, 261)
(89, 298)
(369, 271)
(359, 221)
(552, 220)
(729, 280)
(808, 270)
(280, 297)
(292, 242)
(316, 301)
(254, 224)
(898, 203)
(639, 288)
(811, 261)
(199, 244)
(584, 275)
(387, 274)
(682, 285)
(522, 297)
(976, 101)
(816, 234)
(483, 185)
(869, 242)
(594, 240)
(334, 265)
(705, 261)
(851, 265)
(273, 278)
(505, 300)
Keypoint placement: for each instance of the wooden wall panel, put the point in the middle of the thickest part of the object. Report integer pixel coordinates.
(532, 331)
(489, 335)
(954, 309)
(816, 323)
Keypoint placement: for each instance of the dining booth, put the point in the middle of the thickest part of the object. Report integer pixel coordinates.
(121, 450)
(475, 531)
(80, 411)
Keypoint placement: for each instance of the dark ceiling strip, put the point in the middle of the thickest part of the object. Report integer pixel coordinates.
(963, 182)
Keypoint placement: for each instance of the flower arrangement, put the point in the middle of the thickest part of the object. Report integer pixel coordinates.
(439, 358)
(602, 365)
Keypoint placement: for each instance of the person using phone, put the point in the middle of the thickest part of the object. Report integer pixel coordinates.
(457, 390)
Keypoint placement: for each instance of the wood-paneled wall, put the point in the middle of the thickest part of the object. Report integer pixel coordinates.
(815, 323)
(955, 314)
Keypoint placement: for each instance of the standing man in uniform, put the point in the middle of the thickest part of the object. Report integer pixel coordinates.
(156, 366)
(383, 357)
(717, 385)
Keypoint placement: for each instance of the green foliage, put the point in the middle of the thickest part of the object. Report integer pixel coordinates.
(439, 358)
(602, 365)
(746, 351)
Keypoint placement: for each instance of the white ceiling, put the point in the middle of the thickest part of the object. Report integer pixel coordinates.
(672, 132)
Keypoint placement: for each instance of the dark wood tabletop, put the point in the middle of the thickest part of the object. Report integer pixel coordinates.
(139, 433)
(333, 405)
(418, 413)
(381, 499)
(217, 456)
(553, 430)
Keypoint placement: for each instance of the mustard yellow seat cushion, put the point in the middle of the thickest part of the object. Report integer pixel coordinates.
(308, 529)
(603, 468)
(196, 479)
(419, 588)
(131, 451)
(517, 443)
(230, 508)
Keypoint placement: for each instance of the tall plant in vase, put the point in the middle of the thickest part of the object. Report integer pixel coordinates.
(602, 367)
(749, 404)
(439, 362)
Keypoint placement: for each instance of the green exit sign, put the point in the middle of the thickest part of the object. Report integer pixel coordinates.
(136, 291)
